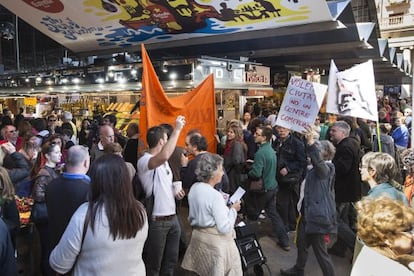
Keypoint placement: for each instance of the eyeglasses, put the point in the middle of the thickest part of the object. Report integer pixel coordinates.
(52, 120)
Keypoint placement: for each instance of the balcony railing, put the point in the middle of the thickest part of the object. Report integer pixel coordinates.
(397, 22)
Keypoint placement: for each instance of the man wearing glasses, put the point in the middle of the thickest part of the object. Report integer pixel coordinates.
(52, 126)
(264, 166)
(11, 135)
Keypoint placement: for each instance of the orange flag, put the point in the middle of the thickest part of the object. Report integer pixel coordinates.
(198, 106)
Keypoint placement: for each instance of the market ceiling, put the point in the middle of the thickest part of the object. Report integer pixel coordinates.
(285, 34)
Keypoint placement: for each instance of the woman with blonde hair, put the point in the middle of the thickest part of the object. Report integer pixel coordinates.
(234, 154)
(386, 228)
(8, 207)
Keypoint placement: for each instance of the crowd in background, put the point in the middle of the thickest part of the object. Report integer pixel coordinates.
(318, 184)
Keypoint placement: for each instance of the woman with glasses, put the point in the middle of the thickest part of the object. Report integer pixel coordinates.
(43, 172)
(386, 228)
(107, 234)
(379, 170)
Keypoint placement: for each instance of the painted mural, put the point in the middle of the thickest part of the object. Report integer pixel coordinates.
(88, 25)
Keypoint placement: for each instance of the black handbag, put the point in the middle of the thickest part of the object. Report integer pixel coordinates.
(256, 186)
(39, 212)
(291, 179)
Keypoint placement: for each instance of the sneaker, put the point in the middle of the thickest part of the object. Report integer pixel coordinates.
(284, 247)
(293, 271)
(261, 216)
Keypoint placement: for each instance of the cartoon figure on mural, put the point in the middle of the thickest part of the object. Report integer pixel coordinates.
(350, 97)
(186, 16)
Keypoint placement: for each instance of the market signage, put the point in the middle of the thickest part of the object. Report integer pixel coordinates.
(258, 75)
(30, 101)
(301, 104)
(90, 25)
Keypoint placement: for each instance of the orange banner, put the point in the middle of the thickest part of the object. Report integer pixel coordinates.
(198, 106)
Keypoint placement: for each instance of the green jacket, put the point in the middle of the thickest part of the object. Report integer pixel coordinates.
(265, 166)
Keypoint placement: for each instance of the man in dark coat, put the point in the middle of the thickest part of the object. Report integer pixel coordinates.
(66, 193)
(347, 184)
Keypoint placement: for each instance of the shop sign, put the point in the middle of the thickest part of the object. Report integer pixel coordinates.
(260, 92)
(31, 101)
(258, 75)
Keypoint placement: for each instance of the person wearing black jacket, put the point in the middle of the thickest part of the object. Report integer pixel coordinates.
(196, 144)
(347, 184)
(15, 163)
(67, 192)
(291, 163)
(8, 264)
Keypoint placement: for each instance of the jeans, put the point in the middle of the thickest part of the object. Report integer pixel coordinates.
(161, 247)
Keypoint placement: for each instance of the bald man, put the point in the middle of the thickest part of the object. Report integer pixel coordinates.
(67, 192)
(106, 137)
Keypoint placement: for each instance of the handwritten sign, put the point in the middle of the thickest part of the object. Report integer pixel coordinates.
(301, 104)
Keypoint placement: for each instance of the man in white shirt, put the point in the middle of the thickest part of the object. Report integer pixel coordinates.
(161, 248)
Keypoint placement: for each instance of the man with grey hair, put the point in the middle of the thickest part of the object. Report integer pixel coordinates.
(347, 184)
(67, 192)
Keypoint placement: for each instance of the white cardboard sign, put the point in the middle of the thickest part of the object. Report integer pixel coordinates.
(352, 92)
(301, 104)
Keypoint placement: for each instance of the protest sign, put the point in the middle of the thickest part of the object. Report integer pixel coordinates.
(352, 92)
(301, 104)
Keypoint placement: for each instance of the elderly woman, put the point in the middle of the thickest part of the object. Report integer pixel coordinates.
(212, 250)
(316, 207)
(388, 238)
(379, 170)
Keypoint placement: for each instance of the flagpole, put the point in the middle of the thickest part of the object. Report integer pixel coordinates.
(412, 96)
(378, 137)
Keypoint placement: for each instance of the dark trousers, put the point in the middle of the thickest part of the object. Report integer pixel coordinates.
(287, 200)
(269, 200)
(318, 243)
(161, 247)
(346, 221)
(43, 230)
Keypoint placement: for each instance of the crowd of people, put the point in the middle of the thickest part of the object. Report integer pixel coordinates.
(340, 186)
